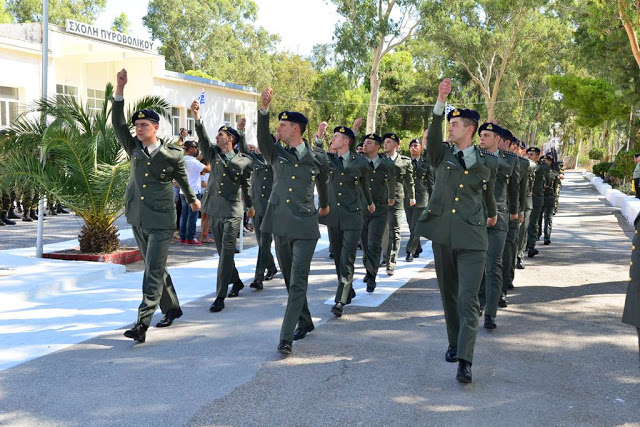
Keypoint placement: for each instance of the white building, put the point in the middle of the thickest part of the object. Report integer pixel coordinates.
(84, 58)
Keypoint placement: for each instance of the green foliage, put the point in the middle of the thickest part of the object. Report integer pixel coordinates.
(601, 168)
(624, 165)
(594, 100)
(596, 153)
(84, 166)
(5, 16)
(200, 73)
(59, 11)
(121, 23)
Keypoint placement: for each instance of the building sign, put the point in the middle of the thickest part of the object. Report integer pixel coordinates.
(94, 32)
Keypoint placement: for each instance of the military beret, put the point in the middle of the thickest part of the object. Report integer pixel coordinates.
(345, 131)
(515, 141)
(360, 145)
(415, 141)
(533, 149)
(491, 127)
(506, 134)
(523, 145)
(464, 113)
(374, 137)
(293, 116)
(230, 131)
(146, 115)
(391, 135)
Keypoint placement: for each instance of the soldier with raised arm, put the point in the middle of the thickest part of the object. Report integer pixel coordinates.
(291, 215)
(227, 189)
(150, 207)
(456, 223)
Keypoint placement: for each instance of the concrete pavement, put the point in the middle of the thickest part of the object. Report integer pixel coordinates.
(560, 355)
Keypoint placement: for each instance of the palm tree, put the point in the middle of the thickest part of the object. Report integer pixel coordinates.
(75, 159)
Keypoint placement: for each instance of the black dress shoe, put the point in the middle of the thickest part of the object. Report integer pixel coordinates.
(285, 347)
(409, 257)
(270, 274)
(138, 332)
(451, 355)
(371, 285)
(490, 322)
(532, 252)
(168, 318)
(302, 332)
(520, 264)
(235, 289)
(257, 285)
(383, 263)
(338, 309)
(390, 271)
(502, 302)
(12, 214)
(218, 305)
(464, 372)
(547, 242)
(352, 295)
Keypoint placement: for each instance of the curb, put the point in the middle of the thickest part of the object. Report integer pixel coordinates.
(629, 205)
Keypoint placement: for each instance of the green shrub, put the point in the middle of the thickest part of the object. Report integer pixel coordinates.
(596, 153)
(625, 165)
(601, 169)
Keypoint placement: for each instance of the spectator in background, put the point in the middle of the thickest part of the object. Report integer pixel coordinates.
(636, 175)
(183, 136)
(204, 221)
(189, 217)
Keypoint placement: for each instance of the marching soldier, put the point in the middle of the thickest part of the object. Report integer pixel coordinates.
(291, 213)
(631, 313)
(404, 178)
(227, 187)
(524, 227)
(261, 183)
(150, 208)
(348, 185)
(549, 204)
(5, 208)
(423, 179)
(495, 140)
(541, 179)
(456, 223)
(382, 185)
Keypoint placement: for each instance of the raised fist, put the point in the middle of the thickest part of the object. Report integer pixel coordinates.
(357, 123)
(265, 98)
(195, 109)
(121, 78)
(444, 90)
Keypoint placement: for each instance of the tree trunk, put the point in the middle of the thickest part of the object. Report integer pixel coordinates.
(374, 81)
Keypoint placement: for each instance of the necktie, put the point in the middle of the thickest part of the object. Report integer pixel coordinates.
(292, 151)
(415, 164)
(460, 156)
(371, 164)
(146, 151)
(341, 161)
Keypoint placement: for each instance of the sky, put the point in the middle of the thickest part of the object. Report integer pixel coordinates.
(297, 36)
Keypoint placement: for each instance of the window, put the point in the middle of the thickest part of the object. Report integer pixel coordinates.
(175, 120)
(8, 105)
(95, 99)
(68, 91)
(191, 122)
(227, 119)
(238, 118)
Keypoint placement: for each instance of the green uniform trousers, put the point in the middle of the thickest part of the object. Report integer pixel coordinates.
(522, 233)
(371, 238)
(345, 245)
(265, 259)
(491, 286)
(509, 255)
(6, 202)
(459, 273)
(413, 215)
(547, 213)
(294, 257)
(157, 287)
(534, 227)
(391, 238)
(225, 233)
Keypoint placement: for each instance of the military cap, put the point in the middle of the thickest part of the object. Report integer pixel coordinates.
(415, 141)
(345, 131)
(360, 145)
(374, 137)
(498, 130)
(146, 115)
(523, 145)
(293, 116)
(464, 113)
(506, 134)
(515, 141)
(391, 135)
(230, 131)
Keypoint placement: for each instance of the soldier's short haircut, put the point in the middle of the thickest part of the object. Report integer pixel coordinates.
(302, 126)
(470, 122)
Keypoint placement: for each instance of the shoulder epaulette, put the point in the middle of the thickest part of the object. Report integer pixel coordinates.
(173, 146)
(483, 151)
(510, 153)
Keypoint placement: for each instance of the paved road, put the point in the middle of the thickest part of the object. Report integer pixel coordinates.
(560, 355)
